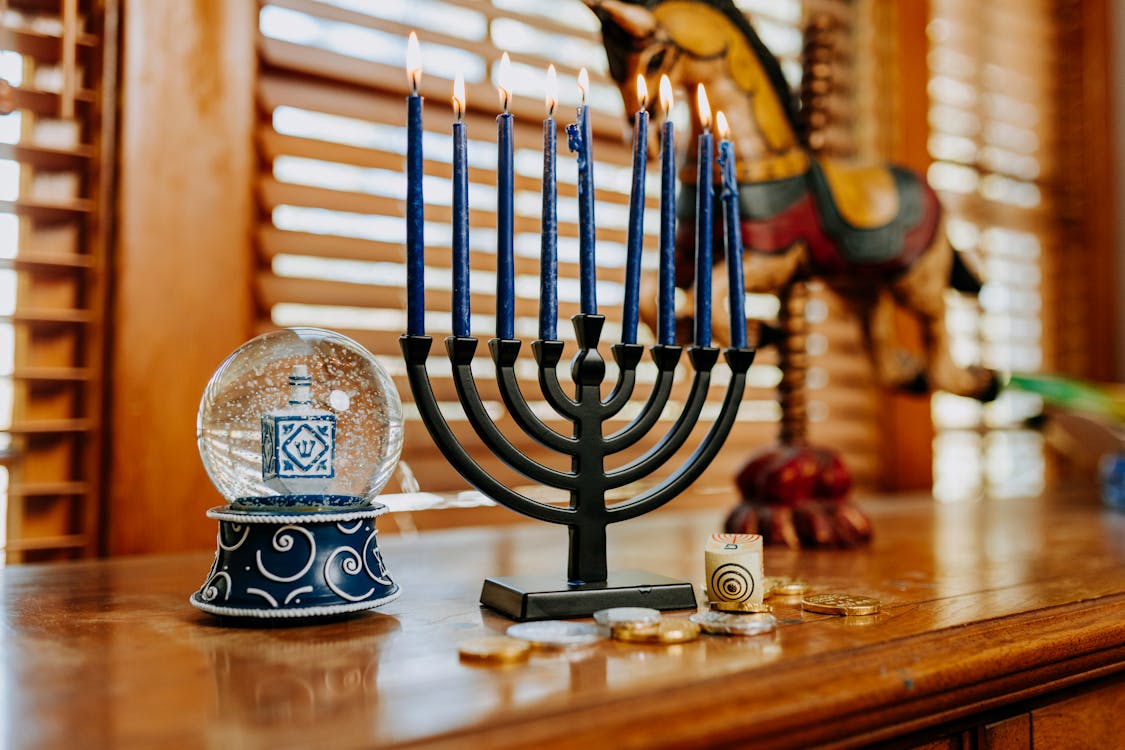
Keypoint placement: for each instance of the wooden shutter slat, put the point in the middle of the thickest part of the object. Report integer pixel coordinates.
(44, 47)
(46, 158)
(276, 90)
(273, 241)
(47, 210)
(275, 145)
(274, 193)
(274, 290)
(339, 68)
(53, 374)
(51, 426)
(39, 489)
(484, 47)
(32, 315)
(48, 262)
(46, 103)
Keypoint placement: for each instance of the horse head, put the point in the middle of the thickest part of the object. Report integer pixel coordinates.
(706, 42)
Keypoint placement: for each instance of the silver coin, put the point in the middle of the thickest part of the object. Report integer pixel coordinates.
(556, 633)
(729, 623)
(627, 615)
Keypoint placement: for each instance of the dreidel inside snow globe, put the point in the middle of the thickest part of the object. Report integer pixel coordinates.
(299, 430)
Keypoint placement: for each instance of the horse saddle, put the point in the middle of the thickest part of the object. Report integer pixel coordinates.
(870, 212)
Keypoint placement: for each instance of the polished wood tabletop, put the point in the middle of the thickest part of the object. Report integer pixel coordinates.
(984, 604)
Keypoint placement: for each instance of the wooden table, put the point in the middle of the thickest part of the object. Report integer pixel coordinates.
(1003, 621)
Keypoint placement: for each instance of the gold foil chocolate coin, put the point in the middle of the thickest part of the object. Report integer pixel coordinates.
(726, 623)
(840, 604)
(627, 616)
(634, 631)
(746, 608)
(786, 587)
(556, 633)
(496, 649)
(667, 632)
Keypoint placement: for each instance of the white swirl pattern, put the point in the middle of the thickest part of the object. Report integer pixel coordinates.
(353, 529)
(264, 594)
(352, 566)
(283, 542)
(373, 552)
(297, 592)
(211, 589)
(242, 540)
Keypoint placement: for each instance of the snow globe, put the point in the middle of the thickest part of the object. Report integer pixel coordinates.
(299, 430)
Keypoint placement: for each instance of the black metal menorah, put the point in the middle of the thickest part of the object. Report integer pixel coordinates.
(589, 586)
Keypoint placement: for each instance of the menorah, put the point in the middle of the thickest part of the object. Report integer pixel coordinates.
(589, 586)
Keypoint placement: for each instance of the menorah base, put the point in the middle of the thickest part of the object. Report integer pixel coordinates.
(551, 597)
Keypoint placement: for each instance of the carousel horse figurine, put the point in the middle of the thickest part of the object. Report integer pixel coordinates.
(873, 235)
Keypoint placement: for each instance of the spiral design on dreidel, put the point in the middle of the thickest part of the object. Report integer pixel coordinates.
(731, 582)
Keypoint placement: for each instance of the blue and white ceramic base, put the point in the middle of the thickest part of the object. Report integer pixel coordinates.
(308, 564)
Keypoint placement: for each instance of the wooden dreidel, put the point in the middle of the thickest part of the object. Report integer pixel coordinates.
(734, 572)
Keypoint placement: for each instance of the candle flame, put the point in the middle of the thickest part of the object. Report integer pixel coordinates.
(704, 107)
(583, 83)
(503, 73)
(413, 62)
(722, 125)
(642, 93)
(552, 91)
(459, 95)
(665, 94)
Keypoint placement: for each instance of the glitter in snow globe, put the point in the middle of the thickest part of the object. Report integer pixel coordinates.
(299, 430)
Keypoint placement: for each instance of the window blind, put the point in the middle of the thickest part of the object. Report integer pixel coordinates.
(329, 244)
(992, 94)
(52, 255)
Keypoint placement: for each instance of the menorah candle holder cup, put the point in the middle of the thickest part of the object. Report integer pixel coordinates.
(588, 585)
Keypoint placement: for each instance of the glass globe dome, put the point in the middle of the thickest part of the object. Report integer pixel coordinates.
(300, 419)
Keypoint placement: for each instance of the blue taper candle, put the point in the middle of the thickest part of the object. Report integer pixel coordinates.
(732, 221)
(461, 294)
(505, 214)
(634, 242)
(580, 141)
(666, 282)
(549, 227)
(415, 205)
(703, 225)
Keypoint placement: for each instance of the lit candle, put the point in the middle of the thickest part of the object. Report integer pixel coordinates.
(415, 245)
(549, 229)
(634, 241)
(505, 256)
(732, 220)
(703, 228)
(580, 141)
(460, 214)
(666, 333)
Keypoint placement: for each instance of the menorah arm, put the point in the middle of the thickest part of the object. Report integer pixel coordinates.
(504, 354)
(666, 358)
(415, 350)
(703, 360)
(739, 361)
(547, 356)
(461, 352)
(627, 356)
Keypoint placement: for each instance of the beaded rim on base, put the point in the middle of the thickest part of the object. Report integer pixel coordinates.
(226, 513)
(318, 611)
